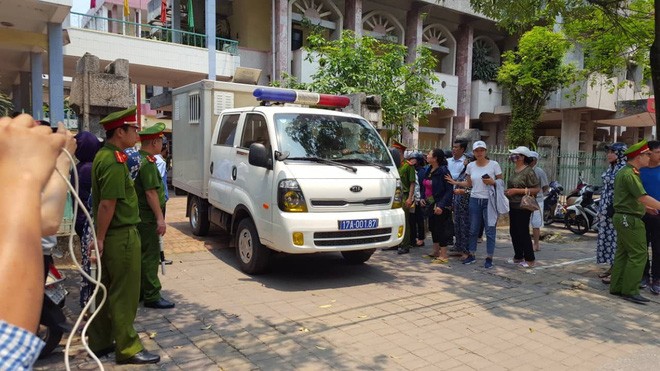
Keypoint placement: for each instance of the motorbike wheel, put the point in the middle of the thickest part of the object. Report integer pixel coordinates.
(51, 336)
(548, 217)
(576, 223)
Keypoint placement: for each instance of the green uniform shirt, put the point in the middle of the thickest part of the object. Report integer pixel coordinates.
(627, 189)
(148, 178)
(408, 175)
(112, 181)
(526, 178)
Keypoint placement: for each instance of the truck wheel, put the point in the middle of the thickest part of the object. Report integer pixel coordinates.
(358, 256)
(253, 257)
(199, 216)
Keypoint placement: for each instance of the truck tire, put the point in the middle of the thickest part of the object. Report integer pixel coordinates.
(253, 257)
(199, 216)
(357, 256)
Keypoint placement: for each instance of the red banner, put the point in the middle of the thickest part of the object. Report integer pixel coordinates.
(650, 105)
(163, 11)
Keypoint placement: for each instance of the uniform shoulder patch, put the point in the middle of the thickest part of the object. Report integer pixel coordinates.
(121, 157)
(151, 159)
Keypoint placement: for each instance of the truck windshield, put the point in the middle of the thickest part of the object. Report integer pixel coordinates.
(330, 137)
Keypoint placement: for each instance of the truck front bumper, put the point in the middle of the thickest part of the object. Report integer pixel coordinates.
(321, 233)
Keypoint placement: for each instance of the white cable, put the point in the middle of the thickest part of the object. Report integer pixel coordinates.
(98, 284)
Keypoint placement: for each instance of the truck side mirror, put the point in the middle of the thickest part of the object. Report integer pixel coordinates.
(259, 156)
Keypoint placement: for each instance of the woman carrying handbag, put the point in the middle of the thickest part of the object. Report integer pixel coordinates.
(522, 187)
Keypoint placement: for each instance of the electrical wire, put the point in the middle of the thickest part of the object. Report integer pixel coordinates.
(98, 285)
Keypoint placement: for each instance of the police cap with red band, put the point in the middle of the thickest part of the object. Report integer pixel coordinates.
(637, 149)
(153, 132)
(120, 118)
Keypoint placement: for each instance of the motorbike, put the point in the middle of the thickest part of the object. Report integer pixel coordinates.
(553, 210)
(582, 215)
(52, 324)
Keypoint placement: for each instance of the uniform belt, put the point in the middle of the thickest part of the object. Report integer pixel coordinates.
(121, 228)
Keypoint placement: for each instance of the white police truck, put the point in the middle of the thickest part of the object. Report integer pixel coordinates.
(284, 178)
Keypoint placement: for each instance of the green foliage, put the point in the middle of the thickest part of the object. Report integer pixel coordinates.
(6, 106)
(612, 33)
(483, 68)
(530, 74)
(352, 65)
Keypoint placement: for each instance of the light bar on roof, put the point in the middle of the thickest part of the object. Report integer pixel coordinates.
(301, 97)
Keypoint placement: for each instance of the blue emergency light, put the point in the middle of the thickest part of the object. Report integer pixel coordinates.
(301, 97)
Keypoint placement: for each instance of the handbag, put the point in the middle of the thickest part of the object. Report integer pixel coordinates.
(528, 202)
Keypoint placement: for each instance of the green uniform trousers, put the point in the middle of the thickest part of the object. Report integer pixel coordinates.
(150, 290)
(120, 274)
(631, 254)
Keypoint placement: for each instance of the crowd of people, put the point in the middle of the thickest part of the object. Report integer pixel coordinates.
(457, 196)
(125, 190)
(460, 195)
(629, 220)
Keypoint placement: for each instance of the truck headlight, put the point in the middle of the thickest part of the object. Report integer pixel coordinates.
(398, 195)
(290, 197)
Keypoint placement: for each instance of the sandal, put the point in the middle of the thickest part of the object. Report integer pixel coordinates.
(607, 273)
(440, 261)
(429, 256)
(606, 280)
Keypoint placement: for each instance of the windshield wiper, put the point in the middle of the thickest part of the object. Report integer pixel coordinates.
(366, 162)
(324, 161)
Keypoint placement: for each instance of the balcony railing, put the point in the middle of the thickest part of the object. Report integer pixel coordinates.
(149, 32)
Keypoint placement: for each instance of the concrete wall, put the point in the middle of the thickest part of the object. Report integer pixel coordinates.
(251, 24)
(449, 90)
(147, 52)
(301, 68)
(484, 98)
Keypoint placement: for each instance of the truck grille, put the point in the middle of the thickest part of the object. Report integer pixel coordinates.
(368, 201)
(345, 238)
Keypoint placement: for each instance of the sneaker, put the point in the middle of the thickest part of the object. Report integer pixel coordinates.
(489, 263)
(469, 260)
(403, 250)
(514, 261)
(655, 287)
(523, 264)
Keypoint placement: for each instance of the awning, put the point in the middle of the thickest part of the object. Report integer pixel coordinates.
(640, 120)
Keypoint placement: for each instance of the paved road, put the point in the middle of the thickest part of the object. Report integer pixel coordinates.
(393, 313)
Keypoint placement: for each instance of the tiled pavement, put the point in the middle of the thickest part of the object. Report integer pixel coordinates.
(393, 313)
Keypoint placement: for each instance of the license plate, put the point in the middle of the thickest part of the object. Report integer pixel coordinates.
(358, 224)
(56, 293)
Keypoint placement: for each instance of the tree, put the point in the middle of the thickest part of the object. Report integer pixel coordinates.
(351, 65)
(530, 74)
(613, 33)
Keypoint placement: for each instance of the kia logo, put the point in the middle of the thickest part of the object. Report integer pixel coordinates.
(356, 189)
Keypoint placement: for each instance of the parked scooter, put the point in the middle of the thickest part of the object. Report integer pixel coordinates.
(582, 216)
(553, 210)
(53, 323)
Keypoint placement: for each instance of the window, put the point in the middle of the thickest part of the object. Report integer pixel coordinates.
(227, 130)
(255, 131)
(193, 108)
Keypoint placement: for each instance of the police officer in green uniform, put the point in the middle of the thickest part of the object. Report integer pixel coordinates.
(151, 201)
(115, 207)
(630, 203)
